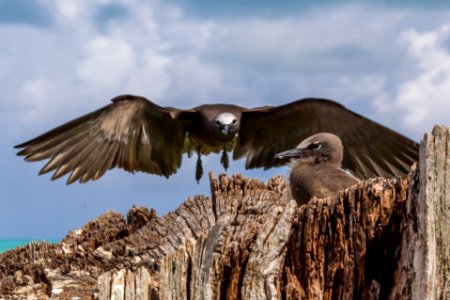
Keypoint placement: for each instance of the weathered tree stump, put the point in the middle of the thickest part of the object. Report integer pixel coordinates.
(382, 239)
(423, 270)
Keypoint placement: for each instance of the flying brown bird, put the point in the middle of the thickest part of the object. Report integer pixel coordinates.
(135, 134)
(317, 168)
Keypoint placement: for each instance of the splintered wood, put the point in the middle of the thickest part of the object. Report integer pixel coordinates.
(262, 246)
(381, 239)
(424, 263)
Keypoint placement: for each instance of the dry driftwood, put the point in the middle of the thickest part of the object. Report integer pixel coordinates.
(383, 239)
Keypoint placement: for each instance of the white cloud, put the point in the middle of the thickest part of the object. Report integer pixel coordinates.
(355, 88)
(70, 9)
(107, 64)
(160, 52)
(322, 39)
(37, 89)
(150, 76)
(422, 100)
(36, 92)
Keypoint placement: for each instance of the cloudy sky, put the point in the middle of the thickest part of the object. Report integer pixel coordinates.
(60, 59)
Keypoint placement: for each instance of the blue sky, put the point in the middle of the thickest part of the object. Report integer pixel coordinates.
(61, 59)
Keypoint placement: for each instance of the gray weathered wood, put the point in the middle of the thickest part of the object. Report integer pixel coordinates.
(424, 266)
(263, 247)
(381, 239)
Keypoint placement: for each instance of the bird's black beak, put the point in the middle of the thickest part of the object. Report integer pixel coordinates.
(226, 129)
(293, 153)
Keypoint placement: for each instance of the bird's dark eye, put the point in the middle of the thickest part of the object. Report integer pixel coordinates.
(234, 121)
(314, 146)
(217, 122)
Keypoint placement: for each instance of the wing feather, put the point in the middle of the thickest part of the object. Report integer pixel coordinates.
(132, 133)
(370, 149)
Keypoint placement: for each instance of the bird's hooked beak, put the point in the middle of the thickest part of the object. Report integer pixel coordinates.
(226, 123)
(293, 153)
(226, 129)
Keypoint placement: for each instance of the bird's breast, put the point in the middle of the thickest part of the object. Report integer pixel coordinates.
(207, 143)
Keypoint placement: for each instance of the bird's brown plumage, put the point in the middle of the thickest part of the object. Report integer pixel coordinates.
(135, 134)
(371, 149)
(316, 168)
(132, 134)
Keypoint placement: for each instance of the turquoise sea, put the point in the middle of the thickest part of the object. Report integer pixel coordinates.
(8, 244)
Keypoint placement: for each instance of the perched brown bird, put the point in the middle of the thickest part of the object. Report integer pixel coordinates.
(135, 134)
(317, 168)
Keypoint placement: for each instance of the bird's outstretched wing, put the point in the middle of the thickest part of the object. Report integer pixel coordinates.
(370, 149)
(132, 133)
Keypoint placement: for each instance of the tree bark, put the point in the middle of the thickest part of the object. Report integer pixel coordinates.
(381, 239)
(423, 271)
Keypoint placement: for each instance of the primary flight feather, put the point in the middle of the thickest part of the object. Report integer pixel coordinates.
(136, 134)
